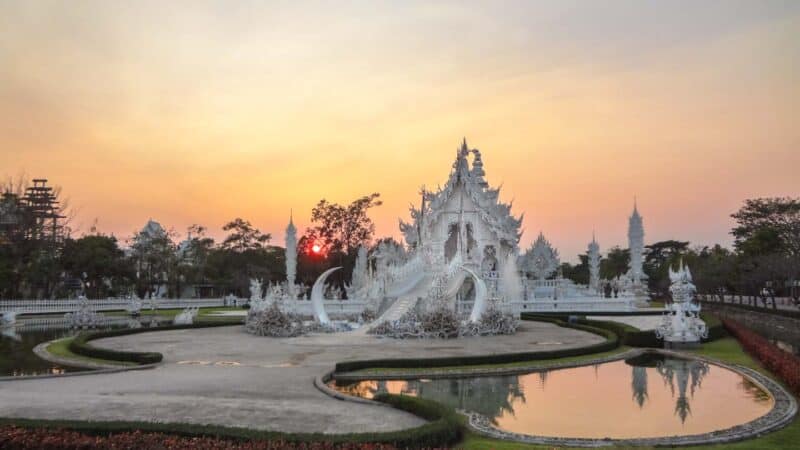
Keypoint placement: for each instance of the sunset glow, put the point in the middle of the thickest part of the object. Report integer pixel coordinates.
(199, 112)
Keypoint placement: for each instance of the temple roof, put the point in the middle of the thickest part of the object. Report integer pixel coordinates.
(495, 213)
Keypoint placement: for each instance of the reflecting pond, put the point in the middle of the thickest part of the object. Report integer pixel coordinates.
(17, 343)
(648, 396)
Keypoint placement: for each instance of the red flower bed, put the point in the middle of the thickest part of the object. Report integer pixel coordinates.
(783, 364)
(12, 437)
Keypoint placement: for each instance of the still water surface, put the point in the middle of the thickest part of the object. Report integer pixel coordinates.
(647, 396)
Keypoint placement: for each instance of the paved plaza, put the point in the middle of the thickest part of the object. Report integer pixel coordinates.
(225, 376)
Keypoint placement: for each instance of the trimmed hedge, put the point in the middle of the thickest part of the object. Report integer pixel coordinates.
(80, 344)
(612, 342)
(445, 428)
(783, 364)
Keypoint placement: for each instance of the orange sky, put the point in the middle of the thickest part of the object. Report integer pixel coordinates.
(199, 112)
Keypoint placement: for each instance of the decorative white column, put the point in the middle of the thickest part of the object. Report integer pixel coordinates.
(291, 258)
(594, 264)
(636, 247)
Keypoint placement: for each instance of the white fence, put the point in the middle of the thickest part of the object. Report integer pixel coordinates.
(545, 305)
(110, 304)
(303, 307)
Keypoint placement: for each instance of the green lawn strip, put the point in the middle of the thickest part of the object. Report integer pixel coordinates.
(727, 350)
(61, 348)
(533, 364)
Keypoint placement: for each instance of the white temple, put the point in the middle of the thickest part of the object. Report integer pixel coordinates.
(461, 254)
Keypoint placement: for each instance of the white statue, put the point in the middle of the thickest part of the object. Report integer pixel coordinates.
(541, 259)
(84, 316)
(186, 317)
(317, 300)
(682, 323)
(257, 302)
(9, 318)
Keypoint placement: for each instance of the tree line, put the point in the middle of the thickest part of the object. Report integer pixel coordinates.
(764, 262)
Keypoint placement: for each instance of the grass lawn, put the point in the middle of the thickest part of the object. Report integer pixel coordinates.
(726, 349)
(61, 348)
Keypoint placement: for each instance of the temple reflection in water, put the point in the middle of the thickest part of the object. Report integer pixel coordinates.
(666, 395)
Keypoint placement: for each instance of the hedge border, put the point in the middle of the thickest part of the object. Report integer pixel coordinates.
(445, 427)
(80, 344)
(612, 341)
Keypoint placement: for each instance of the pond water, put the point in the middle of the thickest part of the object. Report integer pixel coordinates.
(648, 396)
(17, 344)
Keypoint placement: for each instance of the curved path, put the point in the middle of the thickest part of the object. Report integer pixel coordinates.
(224, 376)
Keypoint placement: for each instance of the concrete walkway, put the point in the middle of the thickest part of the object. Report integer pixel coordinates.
(226, 377)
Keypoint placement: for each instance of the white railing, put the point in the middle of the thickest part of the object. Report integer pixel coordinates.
(51, 306)
(331, 306)
(544, 305)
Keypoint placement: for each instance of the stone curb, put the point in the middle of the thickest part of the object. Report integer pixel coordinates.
(782, 413)
(321, 383)
(94, 368)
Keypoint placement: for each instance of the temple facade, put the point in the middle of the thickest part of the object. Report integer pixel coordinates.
(464, 219)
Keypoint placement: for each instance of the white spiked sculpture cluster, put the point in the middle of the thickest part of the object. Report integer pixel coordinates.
(682, 323)
(257, 302)
(85, 316)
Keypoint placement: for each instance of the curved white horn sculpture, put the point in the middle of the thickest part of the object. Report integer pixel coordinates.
(316, 297)
(479, 307)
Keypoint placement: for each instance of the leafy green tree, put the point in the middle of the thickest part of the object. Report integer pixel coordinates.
(243, 236)
(658, 257)
(768, 225)
(99, 262)
(615, 263)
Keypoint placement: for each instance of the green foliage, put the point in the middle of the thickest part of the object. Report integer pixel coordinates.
(97, 259)
(80, 344)
(615, 263)
(768, 225)
(243, 236)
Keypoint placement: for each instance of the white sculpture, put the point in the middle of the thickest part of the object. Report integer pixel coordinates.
(9, 318)
(83, 317)
(480, 305)
(541, 259)
(186, 317)
(682, 323)
(257, 302)
(291, 258)
(594, 264)
(317, 301)
(360, 279)
(134, 306)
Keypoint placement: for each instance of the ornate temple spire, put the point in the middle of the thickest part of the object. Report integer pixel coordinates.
(291, 254)
(636, 246)
(594, 263)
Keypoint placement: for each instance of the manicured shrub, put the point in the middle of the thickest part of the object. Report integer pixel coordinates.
(611, 342)
(783, 364)
(80, 344)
